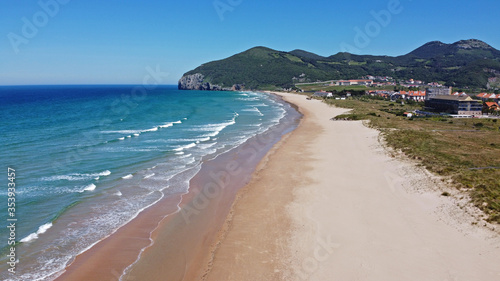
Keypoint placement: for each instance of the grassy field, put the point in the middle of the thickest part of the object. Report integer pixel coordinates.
(460, 150)
(322, 87)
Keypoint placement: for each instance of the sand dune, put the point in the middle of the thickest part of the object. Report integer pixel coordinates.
(328, 203)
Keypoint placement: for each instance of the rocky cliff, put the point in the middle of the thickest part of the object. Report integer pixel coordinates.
(196, 82)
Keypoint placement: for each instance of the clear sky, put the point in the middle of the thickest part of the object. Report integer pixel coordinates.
(115, 41)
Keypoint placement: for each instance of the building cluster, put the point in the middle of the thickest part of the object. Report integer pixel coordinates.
(380, 81)
(441, 99)
(437, 98)
(489, 97)
(412, 83)
(379, 78)
(362, 82)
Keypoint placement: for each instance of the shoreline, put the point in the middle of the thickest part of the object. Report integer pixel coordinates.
(162, 232)
(323, 201)
(350, 212)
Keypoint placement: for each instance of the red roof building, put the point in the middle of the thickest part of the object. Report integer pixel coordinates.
(491, 105)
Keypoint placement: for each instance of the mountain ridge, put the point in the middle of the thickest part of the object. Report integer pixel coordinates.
(465, 63)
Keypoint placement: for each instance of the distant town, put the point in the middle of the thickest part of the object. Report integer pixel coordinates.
(436, 98)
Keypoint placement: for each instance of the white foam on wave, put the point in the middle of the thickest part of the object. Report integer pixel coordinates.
(203, 139)
(136, 133)
(216, 128)
(208, 145)
(125, 132)
(191, 161)
(148, 176)
(253, 109)
(249, 99)
(181, 148)
(151, 130)
(166, 125)
(179, 153)
(77, 177)
(118, 193)
(90, 187)
(105, 173)
(128, 177)
(121, 138)
(33, 236)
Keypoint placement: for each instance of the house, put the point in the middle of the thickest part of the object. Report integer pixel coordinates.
(454, 105)
(353, 82)
(493, 106)
(437, 91)
(487, 96)
(323, 94)
(462, 94)
(413, 95)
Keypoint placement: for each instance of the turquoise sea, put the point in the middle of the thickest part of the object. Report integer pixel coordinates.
(88, 159)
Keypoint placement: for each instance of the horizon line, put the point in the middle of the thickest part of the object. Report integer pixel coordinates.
(21, 85)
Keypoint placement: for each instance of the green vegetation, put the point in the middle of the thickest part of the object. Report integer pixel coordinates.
(452, 63)
(293, 58)
(322, 87)
(464, 151)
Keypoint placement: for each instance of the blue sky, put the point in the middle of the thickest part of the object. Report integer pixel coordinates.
(115, 41)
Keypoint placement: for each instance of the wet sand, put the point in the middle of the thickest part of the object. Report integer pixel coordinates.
(178, 241)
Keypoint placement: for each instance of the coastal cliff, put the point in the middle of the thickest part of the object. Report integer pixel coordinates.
(197, 82)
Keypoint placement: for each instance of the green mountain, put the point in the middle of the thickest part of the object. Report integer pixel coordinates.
(466, 63)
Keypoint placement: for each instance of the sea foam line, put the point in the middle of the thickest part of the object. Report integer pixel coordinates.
(77, 177)
(90, 187)
(33, 236)
(216, 128)
(136, 133)
(181, 148)
(196, 170)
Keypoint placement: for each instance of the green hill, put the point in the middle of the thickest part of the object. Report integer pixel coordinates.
(466, 63)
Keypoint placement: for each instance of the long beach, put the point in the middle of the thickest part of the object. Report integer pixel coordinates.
(329, 203)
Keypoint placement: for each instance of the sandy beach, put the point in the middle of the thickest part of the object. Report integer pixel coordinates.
(329, 203)
(326, 202)
(176, 236)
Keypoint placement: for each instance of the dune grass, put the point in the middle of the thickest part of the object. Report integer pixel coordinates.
(467, 151)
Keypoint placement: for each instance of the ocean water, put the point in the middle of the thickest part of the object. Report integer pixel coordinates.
(88, 159)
